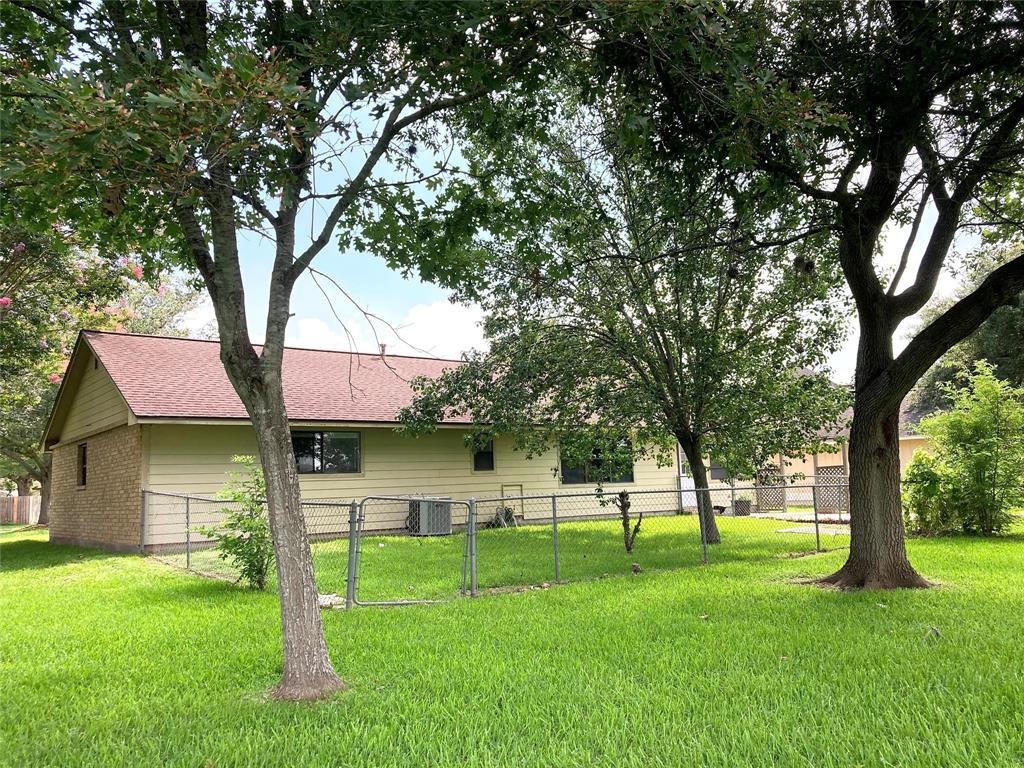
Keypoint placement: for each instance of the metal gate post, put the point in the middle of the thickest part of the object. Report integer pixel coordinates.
(472, 548)
(188, 533)
(701, 503)
(353, 539)
(554, 536)
(732, 496)
(817, 531)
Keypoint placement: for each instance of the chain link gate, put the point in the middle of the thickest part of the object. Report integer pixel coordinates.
(444, 570)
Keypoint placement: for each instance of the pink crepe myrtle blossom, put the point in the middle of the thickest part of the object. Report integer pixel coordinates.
(19, 248)
(5, 301)
(137, 271)
(55, 378)
(123, 261)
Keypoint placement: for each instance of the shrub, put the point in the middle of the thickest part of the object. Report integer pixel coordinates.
(244, 537)
(974, 479)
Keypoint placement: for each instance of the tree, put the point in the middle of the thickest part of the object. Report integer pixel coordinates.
(997, 340)
(627, 313)
(196, 122)
(45, 288)
(976, 476)
(876, 113)
(49, 290)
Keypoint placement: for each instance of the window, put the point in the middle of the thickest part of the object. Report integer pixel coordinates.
(483, 458)
(718, 472)
(326, 452)
(591, 472)
(82, 456)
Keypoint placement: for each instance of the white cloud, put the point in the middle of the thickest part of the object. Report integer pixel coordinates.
(440, 329)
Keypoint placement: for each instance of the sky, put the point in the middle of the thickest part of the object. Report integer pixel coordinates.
(425, 321)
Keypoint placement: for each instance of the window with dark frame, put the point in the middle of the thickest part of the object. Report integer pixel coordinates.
(718, 472)
(328, 453)
(82, 464)
(483, 458)
(591, 472)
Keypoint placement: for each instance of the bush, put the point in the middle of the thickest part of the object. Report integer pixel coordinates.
(976, 476)
(244, 538)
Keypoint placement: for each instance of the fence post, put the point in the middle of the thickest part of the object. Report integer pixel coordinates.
(732, 495)
(353, 540)
(188, 533)
(554, 536)
(817, 532)
(701, 503)
(472, 548)
(142, 521)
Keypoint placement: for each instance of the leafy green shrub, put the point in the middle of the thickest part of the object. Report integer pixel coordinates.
(244, 537)
(976, 476)
(926, 496)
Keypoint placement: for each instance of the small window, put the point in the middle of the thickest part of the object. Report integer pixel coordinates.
(82, 464)
(718, 472)
(331, 453)
(592, 472)
(483, 458)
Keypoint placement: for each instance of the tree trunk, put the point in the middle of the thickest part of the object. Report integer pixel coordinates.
(692, 449)
(878, 553)
(23, 485)
(44, 492)
(308, 672)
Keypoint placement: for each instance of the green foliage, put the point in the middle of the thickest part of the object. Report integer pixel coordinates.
(976, 477)
(49, 290)
(243, 539)
(625, 310)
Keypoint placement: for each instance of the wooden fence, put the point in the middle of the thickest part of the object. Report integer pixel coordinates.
(19, 510)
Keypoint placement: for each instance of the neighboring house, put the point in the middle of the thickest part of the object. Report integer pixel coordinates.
(139, 413)
(827, 465)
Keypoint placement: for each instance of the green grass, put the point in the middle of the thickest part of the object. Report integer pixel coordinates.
(120, 660)
(408, 568)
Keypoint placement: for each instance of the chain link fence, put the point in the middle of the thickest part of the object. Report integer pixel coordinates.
(401, 549)
(176, 528)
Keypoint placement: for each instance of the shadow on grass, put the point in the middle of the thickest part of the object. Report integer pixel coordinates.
(32, 554)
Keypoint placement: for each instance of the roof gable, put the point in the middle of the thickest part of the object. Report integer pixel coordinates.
(177, 378)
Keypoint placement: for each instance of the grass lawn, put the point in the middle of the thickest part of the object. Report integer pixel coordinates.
(121, 660)
(405, 568)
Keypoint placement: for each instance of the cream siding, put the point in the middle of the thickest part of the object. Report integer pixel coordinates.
(909, 444)
(196, 459)
(96, 407)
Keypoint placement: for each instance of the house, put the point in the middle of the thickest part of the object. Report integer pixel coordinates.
(144, 413)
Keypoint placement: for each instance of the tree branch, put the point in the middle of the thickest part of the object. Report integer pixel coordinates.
(1002, 286)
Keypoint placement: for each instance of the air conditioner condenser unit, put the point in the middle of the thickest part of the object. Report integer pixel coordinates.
(430, 516)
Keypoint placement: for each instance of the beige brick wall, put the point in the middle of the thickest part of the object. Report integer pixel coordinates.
(105, 512)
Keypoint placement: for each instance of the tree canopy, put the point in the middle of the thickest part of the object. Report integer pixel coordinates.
(626, 312)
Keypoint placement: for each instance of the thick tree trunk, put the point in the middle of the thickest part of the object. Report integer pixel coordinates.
(44, 502)
(44, 493)
(692, 450)
(878, 553)
(308, 672)
(23, 485)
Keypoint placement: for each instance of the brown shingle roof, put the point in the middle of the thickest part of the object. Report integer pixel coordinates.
(163, 377)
